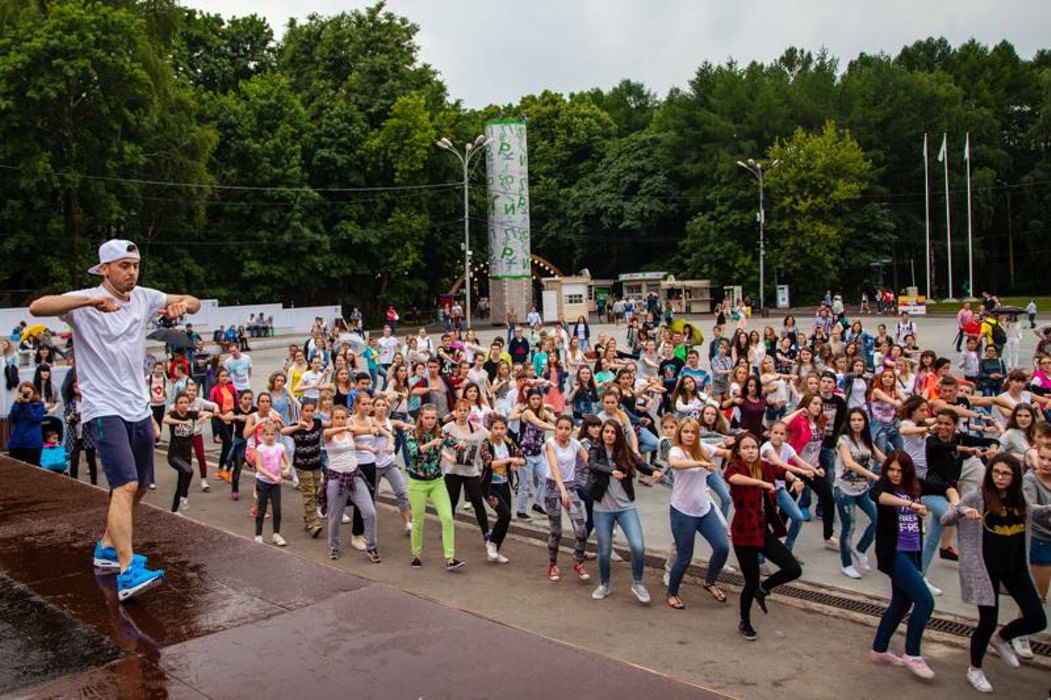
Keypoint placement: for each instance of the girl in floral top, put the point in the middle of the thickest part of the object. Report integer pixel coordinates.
(424, 444)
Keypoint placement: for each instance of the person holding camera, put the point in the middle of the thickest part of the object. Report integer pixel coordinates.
(28, 411)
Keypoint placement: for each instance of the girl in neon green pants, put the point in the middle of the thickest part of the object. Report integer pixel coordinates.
(425, 444)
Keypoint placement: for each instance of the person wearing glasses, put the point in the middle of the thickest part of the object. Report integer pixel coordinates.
(109, 325)
(994, 525)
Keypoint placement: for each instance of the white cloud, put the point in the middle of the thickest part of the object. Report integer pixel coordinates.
(495, 52)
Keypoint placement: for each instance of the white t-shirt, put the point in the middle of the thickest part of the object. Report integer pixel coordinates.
(786, 454)
(1026, 397)
(310, 378)
(565, 458)
(388, 346)
(111, 349)
(689, 491)
(239, 371)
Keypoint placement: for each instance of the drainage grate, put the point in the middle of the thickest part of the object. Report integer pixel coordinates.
(831, 600)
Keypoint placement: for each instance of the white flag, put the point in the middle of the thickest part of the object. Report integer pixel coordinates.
(967, 147)
(941, 151)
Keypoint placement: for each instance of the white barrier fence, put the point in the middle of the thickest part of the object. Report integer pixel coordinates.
(210, 317)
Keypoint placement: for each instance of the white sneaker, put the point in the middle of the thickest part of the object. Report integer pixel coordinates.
(1003, 648)
(408, 529)
(204, 486)
(491, 551)
(666, 578)
(358, 543)
(935, 591)
(641, 594)
(1021, 647)
(320, 514)
(259, 539)
(601, 592)
(850, 572)
(184, 505)
(468, 506)
(976, 677)
(767, 569)
(278, 540)
(501, 559)
(832, 543)
(345, 519)
(862, 559)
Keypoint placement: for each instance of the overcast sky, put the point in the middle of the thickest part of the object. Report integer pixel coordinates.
(496, 52)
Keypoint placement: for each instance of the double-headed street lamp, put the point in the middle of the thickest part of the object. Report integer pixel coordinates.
(756, 168)
(470, 151)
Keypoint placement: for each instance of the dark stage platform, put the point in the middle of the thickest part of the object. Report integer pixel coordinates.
(239, 620)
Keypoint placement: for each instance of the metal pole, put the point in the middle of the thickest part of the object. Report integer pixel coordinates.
(948, 224)
(927, 215)
(762, 247)
(970, 250)
(466, 239)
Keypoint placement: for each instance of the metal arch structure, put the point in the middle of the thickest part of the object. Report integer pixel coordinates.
(537, 261)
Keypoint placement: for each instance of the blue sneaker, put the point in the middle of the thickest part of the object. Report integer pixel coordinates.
(106, 558)
(806, 514)
(137, 580)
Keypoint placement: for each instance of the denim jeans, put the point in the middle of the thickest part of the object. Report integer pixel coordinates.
(648, 442)
(907, 591)
(845, 504)
(788, 506)
(886, 436)
(937, 505)
(717, 484)
(631, 526)
(532, 476)
(684, 529)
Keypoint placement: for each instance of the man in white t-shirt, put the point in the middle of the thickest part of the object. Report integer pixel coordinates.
(239, 365)
(109, 325)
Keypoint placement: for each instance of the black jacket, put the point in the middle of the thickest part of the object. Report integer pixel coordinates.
(601, 468)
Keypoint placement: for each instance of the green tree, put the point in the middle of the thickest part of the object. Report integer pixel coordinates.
(813, 194)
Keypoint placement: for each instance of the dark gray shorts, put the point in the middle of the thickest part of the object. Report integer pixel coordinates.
(124, 448)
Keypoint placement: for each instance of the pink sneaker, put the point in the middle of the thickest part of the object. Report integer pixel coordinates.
(885, 657)
(918, 666)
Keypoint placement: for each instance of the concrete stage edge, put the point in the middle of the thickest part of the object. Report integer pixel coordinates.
(239, 620)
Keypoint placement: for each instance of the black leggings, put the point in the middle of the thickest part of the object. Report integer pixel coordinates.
(158, 415)
(223, 431)
(823, 490)
(89, 455)
(472, 485)
(589, 508)
(184, 469)
(266, 493)
(1020, 587)
(502, 494)
(748, 559)
(368, 471)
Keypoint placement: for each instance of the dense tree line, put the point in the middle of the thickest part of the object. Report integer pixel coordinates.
(305, 169)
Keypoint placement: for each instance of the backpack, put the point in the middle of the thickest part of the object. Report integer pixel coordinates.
(998, 334)
(11, 376)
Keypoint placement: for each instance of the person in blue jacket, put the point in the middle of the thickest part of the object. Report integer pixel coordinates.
(27, 412)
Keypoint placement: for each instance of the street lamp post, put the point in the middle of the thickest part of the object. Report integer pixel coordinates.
(470, 151)
(756, 168)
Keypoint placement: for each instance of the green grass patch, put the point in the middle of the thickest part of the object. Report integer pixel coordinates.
(1043, 305)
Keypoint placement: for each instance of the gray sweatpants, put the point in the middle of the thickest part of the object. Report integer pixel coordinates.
(577, 516)
(396, 479)
(337, 502)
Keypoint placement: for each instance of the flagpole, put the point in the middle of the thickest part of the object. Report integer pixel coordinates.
(970, 251)
(948, 220)
(927, 215)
